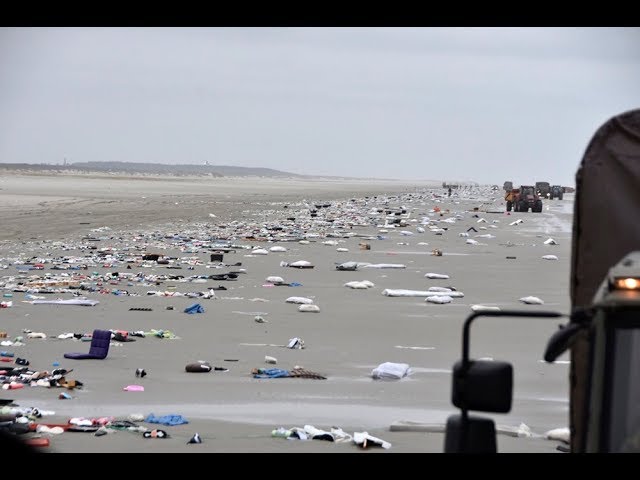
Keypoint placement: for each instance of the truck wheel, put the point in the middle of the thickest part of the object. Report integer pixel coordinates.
(560, 197)
(509, 206)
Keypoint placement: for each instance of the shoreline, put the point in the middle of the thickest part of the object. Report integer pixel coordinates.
(354, 331)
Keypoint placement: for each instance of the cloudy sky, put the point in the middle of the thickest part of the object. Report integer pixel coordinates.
(466, 104)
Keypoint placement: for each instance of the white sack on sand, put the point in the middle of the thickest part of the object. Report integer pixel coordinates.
(419, 229)
(330, 242)
(303, 300)
(303, 242)
(349, 266)
(440, 299)
(440, 289)
(463, 234)
(259, 251)
(384, 265)
(406, 233)
(561, 434)
(275, 280)
(471, 241)
(300, 263)
(342, 249)
(484, 308)
(359, 285)
(485, 235)
(436, 275)
(417, 293)
(277, 248)
(517, 222)
(363, 439)
(549, 257)
(390, 370)
(309, 308)
(481, 220)
(531, 300)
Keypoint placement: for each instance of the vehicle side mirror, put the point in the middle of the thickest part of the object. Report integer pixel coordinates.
(561, 341)
(484, 385)
(470, 435)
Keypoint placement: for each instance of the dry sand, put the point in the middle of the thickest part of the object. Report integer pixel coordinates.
(355, 331)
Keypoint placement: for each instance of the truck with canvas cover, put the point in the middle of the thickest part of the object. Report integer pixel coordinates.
(543, 189)
(557, 191)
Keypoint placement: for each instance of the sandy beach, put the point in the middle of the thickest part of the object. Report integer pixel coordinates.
(355, 330)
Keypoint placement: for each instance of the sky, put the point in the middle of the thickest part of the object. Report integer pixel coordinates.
(465, 104)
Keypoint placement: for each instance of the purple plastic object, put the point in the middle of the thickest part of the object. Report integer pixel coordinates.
(99, 349)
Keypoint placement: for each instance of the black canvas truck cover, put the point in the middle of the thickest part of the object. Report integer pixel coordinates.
(606, 227)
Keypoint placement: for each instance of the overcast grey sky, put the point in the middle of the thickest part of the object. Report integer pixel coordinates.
(470, 104)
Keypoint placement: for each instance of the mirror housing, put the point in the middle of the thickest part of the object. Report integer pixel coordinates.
(470, 435)
(484, 385)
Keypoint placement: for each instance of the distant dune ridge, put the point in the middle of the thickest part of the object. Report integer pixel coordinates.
(150, 169)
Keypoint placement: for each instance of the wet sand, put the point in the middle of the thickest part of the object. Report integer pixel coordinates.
(354, 331)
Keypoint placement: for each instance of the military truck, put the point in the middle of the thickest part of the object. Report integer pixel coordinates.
(603, 334)
(557, 191)
(543, 189)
